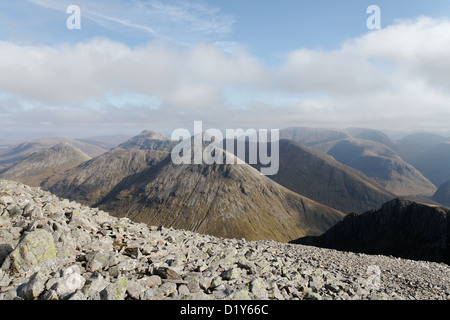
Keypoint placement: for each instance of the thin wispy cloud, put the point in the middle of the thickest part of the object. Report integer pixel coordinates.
(183, 22)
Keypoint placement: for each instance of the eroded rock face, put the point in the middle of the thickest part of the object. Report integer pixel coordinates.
(70, 252)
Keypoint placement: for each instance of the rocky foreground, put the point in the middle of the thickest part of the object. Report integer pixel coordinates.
(54, 249)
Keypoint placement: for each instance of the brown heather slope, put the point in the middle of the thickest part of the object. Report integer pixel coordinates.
(40, 165)
(232, 201)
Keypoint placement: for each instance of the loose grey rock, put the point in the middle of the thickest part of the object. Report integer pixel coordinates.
(55, 249)
(115, 291)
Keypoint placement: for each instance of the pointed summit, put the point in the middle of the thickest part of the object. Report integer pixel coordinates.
(148, 140)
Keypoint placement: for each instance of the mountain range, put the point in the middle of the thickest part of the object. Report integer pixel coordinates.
(324, 175)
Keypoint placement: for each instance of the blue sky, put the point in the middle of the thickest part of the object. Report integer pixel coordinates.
(158, 64)
(266, 28)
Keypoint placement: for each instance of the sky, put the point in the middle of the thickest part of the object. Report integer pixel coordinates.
(137, 65)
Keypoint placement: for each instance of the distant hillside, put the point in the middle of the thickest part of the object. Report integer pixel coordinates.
(400, 228)
(369, 151)
(17, 152)
(315, 136)
(417, 144)
(106, 142)
(434, 163)
(312, 136)
(379, 162)
(319, 177)
(40, 165)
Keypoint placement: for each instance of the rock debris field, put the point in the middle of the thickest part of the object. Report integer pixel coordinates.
(54, 249)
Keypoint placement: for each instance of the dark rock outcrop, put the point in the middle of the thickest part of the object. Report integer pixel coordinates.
(400, 228)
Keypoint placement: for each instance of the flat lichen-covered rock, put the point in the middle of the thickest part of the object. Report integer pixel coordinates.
(35, 250)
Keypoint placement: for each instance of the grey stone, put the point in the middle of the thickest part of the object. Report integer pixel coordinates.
(35, 250)
(115, 291)
(231, 274)
(33, 288)
(167, 273)
(168, 289)
(258, 288)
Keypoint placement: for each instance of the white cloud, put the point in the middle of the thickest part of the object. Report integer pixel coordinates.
(378, 80)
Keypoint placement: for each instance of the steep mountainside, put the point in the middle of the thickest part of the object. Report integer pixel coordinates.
(319, 177)
(93, 179)
(400, 228)
(222, 200)
(40, 165)
(382, 164)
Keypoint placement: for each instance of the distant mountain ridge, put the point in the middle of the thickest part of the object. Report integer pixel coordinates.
(40, 165)
(369, 151)
(15, 153)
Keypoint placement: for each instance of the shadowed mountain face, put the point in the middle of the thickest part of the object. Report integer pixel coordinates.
(319, 177)
(41, 165)
(222, 200)
(442, 195)
(400, 228)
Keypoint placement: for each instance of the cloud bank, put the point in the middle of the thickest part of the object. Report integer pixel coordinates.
(391, 78)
